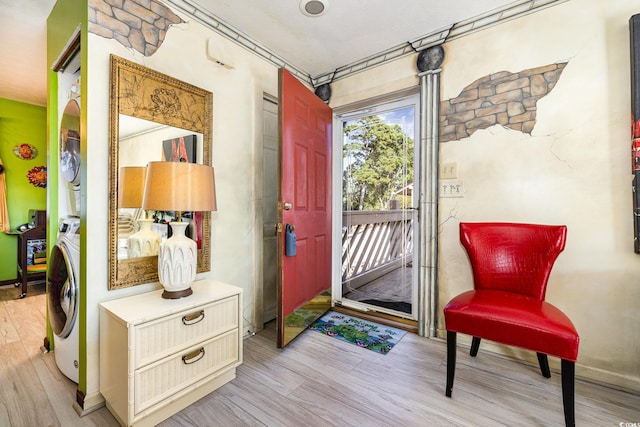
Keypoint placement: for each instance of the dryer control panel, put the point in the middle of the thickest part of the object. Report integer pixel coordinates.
(69, 226)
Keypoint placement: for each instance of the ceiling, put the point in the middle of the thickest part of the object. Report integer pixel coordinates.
(23, 51)
(348, 31)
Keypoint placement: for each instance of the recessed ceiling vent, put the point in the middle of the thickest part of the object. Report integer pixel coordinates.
(314, 7)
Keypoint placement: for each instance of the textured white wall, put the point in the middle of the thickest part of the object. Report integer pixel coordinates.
(573, 169)
(237, 109)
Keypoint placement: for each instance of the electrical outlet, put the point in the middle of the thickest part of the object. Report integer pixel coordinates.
(449, 170)
(451, 188)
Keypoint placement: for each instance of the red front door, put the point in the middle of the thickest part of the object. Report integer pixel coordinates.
(305, 203)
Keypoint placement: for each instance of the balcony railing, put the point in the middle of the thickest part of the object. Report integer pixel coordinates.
(374, 243)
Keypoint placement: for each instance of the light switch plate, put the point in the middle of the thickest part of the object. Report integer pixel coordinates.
(449, 170)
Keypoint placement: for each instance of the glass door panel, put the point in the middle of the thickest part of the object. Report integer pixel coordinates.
(379, 216)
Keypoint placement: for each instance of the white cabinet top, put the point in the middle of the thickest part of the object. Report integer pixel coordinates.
(148, 306)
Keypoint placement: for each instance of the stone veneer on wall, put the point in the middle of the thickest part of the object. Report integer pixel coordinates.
(138, 24)
(503, 98)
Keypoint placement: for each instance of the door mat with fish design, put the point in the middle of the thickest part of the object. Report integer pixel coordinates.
(365, 334)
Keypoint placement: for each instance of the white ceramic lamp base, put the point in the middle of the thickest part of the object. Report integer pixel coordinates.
(177, 261)
(144, 242)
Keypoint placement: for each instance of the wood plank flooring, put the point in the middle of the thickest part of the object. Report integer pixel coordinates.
(317, 381)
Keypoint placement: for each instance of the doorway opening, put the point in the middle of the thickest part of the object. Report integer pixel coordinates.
(378, 224)
(270, 170)
(383, 285)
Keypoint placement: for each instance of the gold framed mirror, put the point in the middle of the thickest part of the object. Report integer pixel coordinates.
(148, 97)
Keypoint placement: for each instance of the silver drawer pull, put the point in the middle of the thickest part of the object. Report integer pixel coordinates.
(193, 318)
(193, 357)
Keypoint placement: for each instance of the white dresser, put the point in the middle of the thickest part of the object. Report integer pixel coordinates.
(158, 356)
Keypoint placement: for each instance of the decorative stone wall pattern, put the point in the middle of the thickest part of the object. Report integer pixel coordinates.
(138, 24)
(503, 98)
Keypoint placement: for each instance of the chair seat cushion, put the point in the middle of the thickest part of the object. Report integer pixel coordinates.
(513, 319)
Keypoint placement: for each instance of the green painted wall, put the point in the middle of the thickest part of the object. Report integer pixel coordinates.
(20, 123)
(67, 19)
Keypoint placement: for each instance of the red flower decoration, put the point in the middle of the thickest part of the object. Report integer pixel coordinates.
(38, 176)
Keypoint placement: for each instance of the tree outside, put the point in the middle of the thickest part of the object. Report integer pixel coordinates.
(378, 164)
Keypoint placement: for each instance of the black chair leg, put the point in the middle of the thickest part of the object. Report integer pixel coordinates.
(544, 365)
(451, 361)
(475, 345)
(568, 392)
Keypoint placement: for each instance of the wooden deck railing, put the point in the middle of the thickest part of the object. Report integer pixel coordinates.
(374, 243)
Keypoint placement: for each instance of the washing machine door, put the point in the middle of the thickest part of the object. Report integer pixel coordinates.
(63, 291)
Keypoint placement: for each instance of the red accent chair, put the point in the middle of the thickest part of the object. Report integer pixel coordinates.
(511, 264)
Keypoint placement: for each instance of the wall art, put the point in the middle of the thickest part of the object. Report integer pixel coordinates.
(25, 151)
(37, 176)
(181, 149)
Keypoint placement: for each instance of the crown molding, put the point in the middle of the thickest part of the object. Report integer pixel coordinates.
(492, 18)
(226, 30)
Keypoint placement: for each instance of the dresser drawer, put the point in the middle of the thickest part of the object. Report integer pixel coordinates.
(159, 381)
(163, 337)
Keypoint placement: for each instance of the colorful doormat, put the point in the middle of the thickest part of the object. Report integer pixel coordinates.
(365, 334)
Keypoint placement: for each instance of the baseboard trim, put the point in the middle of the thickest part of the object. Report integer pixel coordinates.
(86, 404)
(584, 373)
(608, 379)
(9, 282)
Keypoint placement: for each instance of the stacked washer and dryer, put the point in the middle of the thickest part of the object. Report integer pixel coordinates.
(63, 277)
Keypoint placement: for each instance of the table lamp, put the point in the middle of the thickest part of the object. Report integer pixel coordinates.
(144, 242)
(179, 187)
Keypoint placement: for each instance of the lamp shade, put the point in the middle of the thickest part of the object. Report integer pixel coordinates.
(178, 186)
(131, 181)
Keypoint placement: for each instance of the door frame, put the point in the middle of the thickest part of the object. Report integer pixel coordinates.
(354, 110)
(427, 315)
(259, 291)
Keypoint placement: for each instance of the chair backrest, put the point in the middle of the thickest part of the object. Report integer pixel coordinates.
(512, 257)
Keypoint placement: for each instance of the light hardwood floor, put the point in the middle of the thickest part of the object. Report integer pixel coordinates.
(317, 381)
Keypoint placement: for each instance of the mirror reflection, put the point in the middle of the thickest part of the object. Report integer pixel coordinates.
(140, 142)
